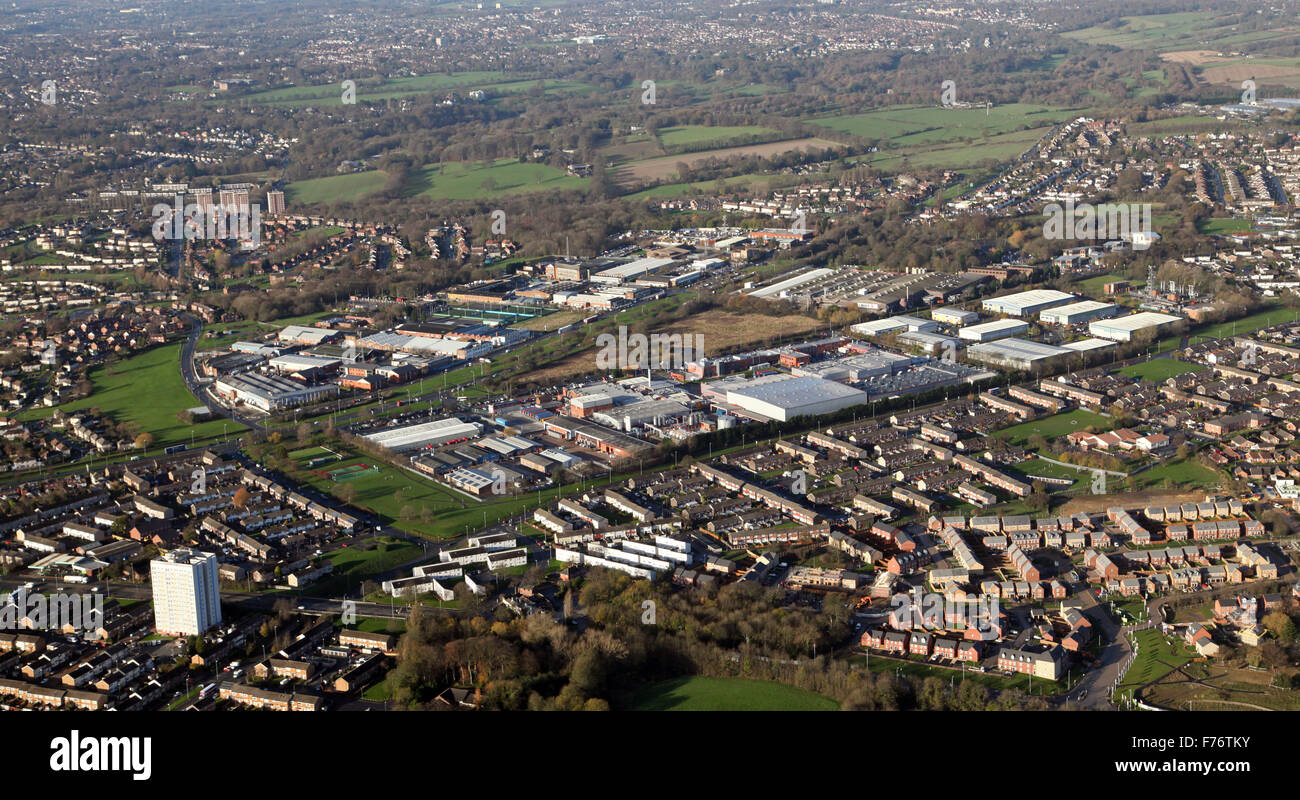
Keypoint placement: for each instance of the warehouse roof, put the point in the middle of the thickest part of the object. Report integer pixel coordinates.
(1136, 322)
(797, 392)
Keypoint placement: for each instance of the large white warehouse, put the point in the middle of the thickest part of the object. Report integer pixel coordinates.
(1078, 313)
(414, 437)
(793, 397)
(1122, 329)
(1026, 304)
(997, 329)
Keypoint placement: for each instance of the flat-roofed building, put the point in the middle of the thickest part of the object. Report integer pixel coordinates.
(1078, 313)
(1123, 329)
(997, 329)
(1025, 304)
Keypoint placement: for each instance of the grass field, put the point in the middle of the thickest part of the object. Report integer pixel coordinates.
(1056, 425)
(1250, 324)
(917, 125)
(738, 183)
(353, 565)
(1156, 658)
(1159, 369)
(665, 168)
(954, 155)
(336, 187)
(1185, 124)
(725, 694)
(1183, 30)
(681, 135)
(1224, 226)
(373, 90)
(147, 389)
(1179, 475)
(1224, 688)
(1036, 467)
(453, 181)
(1094, 285)
(414, 504)
(465, 181)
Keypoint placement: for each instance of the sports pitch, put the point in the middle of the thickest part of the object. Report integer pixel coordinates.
(350, 472)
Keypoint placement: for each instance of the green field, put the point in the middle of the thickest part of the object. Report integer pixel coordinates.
(681, 135)
(725, 694)
(1247, 325)
(1225, 226)
(147, 389)
(336, 188)
(1036, 467)
(353, 565)
(453, 181)
(466, 181)
(1184, 30)
(373, 90)
(424, 507)
(1159, 369)
(1056, 425)
(1095, 284)
(1156, 658)
(1179, 475)
(953, 155)
(916, 125)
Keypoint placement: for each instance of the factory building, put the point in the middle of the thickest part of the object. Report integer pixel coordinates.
(425, 434)
(1026, 304)
(1122, 329)
(1079, 313)
(270, 393)
(794, 397)
(988, 331)
(1016, 354)
(954, 316)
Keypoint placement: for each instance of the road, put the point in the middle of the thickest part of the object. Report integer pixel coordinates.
(197, 388)
(1094, 687)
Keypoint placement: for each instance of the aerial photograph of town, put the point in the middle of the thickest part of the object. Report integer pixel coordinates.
(650, 355)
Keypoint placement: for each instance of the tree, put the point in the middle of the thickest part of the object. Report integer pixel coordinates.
(1280, 625)
(240, 498)
(144, 441)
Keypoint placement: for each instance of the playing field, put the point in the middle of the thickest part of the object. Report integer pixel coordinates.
(1159, 369)
(726, 694)
(351, 472)
(147, 389)
(1056, 425)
